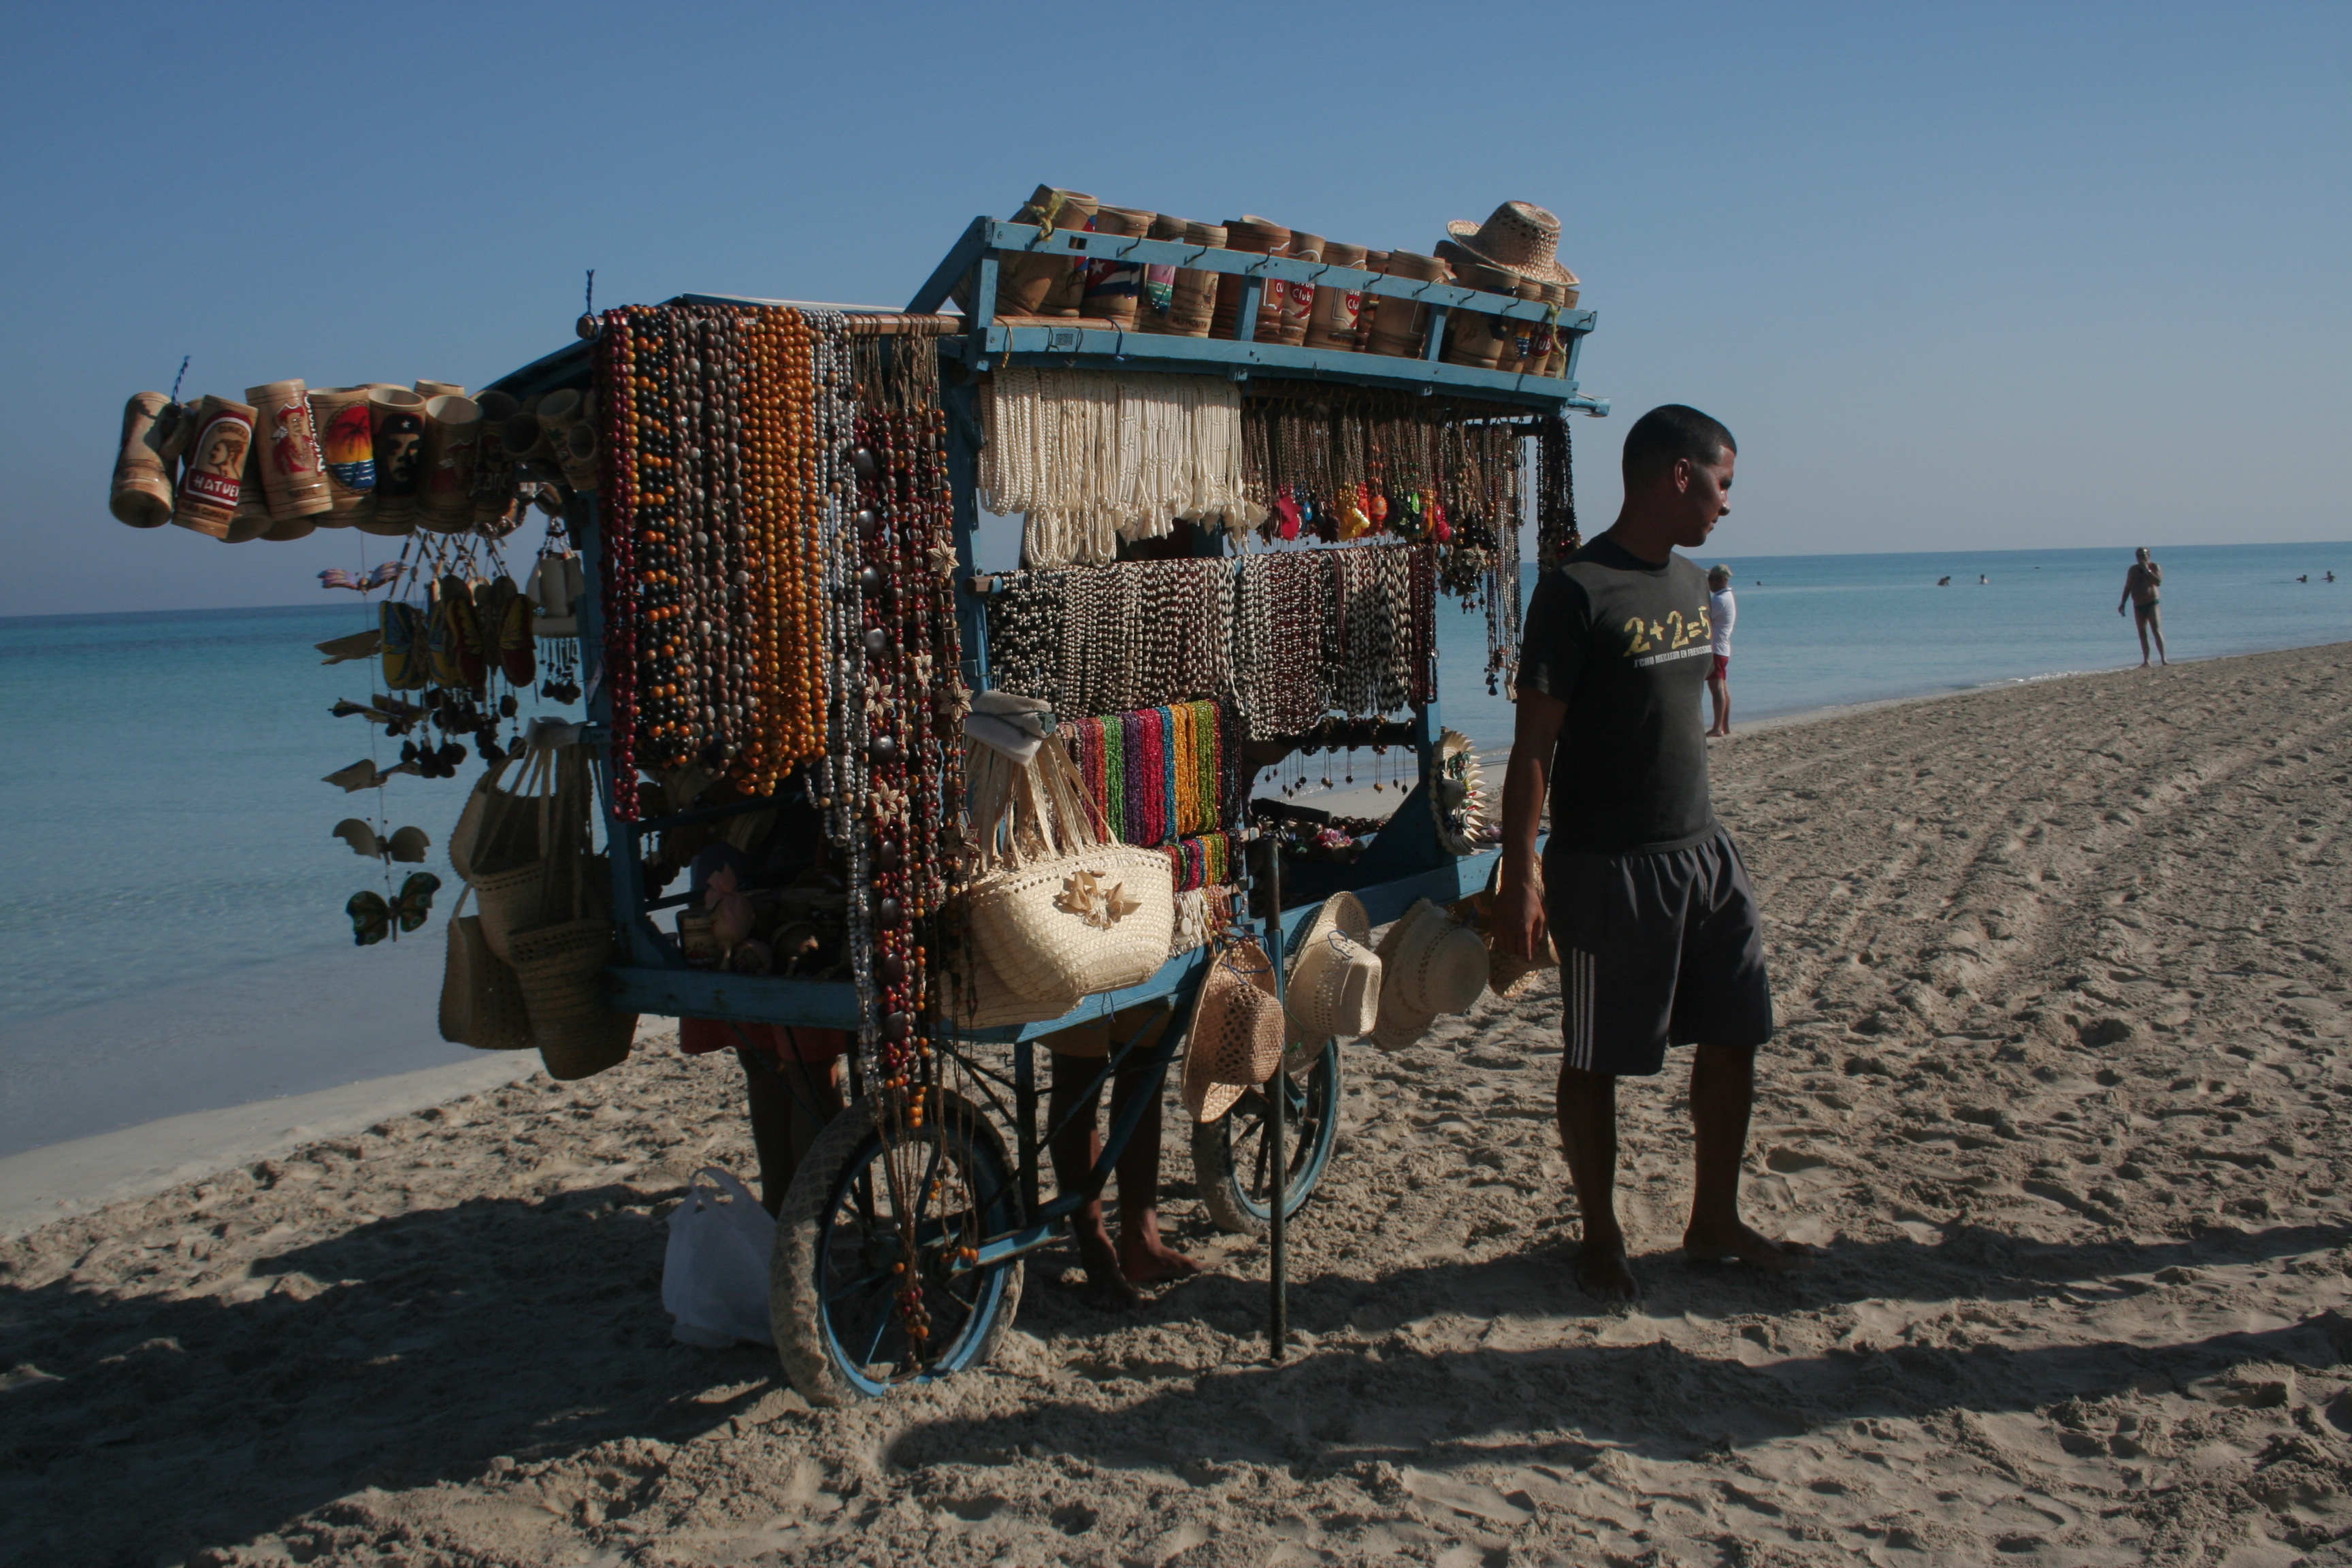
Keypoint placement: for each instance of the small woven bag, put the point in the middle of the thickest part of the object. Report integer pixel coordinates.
(481, 1000)
(560, 964)
(512, 850)
(1059, 908)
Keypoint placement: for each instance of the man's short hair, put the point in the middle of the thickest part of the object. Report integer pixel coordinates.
(1719, 574)
(1668, 432)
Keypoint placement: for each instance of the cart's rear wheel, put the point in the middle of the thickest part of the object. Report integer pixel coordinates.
(834, 1284)
(1230, 1156)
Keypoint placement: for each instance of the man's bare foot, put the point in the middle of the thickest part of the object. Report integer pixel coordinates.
(1107, 1288)
(1148, 1261)
(1745, 1244)
(1604, 1273)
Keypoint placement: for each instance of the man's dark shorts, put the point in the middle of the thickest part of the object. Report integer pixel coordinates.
(1656, 948)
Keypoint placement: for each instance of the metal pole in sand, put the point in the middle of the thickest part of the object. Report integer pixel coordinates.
(1277, 1247)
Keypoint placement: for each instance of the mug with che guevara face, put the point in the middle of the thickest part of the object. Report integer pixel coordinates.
(398, 430)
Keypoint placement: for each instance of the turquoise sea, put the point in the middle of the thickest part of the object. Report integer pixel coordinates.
(172, 936)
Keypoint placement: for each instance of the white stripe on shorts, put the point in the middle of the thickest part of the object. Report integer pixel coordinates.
(1581, 978)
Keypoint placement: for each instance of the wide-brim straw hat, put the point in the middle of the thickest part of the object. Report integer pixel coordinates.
(1430, 963)
(1334, 985)
(1521, 238)
(1235, 1042)
(1335, 979)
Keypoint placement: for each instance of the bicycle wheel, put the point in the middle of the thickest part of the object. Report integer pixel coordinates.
(1230, 1156)
(833, 1285)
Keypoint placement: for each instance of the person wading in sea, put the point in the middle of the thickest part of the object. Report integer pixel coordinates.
(1643, 891)
(1723, 611)
(2142, 584)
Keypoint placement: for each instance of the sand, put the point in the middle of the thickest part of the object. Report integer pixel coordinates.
(2062, 975)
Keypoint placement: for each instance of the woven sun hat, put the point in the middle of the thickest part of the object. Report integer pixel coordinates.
(1334, 985)
(1236, 1039)
(1519, 237)
(1508, 975)
(1430, 963)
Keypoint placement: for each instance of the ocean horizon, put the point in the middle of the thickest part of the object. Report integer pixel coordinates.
(175, 938)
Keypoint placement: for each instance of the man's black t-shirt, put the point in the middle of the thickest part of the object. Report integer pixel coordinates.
(1626, 645)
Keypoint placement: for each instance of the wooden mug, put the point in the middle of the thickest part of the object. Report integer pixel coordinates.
(397, 416)
(141, 492)
(215, 480)
(346, 447)
(292, 470)
(453, 440)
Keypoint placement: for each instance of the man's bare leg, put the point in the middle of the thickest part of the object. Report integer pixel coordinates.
(1076, 1148)
(1143, 1257)
(2141, 622)
(2156, 629)
(1723, 1089)
(783, 1129)
(1588, 1136)
(1720, 690)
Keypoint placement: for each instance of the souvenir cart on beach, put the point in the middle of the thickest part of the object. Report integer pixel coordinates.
(1247, 463)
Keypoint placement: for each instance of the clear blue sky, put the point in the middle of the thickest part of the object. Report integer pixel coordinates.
(2008, 276)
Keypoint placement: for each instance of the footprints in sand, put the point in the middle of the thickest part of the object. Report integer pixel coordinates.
(2064, 985)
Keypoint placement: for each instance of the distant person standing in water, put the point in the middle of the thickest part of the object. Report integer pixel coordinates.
(2141, 590)
(1721, 611)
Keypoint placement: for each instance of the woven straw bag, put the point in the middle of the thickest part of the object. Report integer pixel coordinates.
(560, 964)
(485, 803)
(995, 1004)
(561, 968)
(481, 1000)
(504, 840)
(1059, 908)
(520, 879)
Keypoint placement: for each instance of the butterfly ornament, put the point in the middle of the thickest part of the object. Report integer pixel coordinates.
(373, 917)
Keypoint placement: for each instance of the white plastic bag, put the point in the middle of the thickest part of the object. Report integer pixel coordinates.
(715, 1272)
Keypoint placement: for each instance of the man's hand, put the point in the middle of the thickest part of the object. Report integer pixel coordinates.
(1519, 918)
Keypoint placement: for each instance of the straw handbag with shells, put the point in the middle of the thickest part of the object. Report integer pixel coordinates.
(1059, 909)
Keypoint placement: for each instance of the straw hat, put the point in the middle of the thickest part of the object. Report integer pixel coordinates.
(1519, 237)
(1508, 975)
(1236, 1039)
(1334, 986)
(1431, 963)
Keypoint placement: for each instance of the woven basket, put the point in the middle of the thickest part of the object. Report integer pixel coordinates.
(1057, 908)
(481, 1000)
(511, 902)
(560, 968)
(996, 1003)
(474, 817)
(505, 830)
(1047, 933)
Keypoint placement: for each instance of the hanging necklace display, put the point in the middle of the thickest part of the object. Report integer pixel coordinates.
(717, 487)
(1557, 537)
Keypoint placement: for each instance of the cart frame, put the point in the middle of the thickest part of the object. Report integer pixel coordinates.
(1407, 861)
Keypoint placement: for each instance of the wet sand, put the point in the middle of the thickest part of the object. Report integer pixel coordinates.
(2061, 974)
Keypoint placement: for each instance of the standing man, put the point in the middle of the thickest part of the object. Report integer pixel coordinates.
(1641, 890)
(2141, 585)
(1722, 610)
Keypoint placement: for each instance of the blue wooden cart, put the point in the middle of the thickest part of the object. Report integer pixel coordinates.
(837, 1252)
